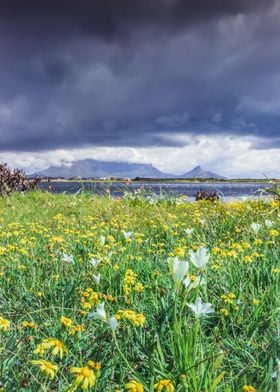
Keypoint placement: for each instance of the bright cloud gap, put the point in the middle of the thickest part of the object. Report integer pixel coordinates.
(231, 156)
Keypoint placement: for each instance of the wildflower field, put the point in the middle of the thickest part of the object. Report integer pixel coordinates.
(138, 294)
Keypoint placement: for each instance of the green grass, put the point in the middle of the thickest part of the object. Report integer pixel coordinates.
(234, 346)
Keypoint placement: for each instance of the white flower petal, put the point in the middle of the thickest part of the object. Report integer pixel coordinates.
(199, 258)
(200, 308)
(102, 240)
(67, 258)
(255, 227)
(94, 262)
(113, 322)
(268, 223)
(178, 269)
(100, 313)
(127, 234)
(96, 278)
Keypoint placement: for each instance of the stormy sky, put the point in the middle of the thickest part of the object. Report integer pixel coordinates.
(172, 82)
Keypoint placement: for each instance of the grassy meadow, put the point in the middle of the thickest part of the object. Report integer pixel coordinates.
(138, 294)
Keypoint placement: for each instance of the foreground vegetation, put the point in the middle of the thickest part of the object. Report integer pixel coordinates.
(138, 294)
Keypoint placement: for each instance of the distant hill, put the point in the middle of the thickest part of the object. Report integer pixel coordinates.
(91, 168)
(199, 172)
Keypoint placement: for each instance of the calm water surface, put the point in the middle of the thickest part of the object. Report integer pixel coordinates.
(227, 190)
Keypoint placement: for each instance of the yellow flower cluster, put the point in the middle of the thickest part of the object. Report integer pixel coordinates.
(86, 376)
(89, 299)
(68, 324)
(228, 298)
(130, 283)
(137, 319)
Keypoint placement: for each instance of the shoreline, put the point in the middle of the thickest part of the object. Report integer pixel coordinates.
(162, 180)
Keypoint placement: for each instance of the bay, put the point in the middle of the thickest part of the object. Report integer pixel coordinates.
(227, 190)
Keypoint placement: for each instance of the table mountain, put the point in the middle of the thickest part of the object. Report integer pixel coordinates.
(91, 168)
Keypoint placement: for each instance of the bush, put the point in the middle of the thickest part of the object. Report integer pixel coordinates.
(15, 180)
(209, 196)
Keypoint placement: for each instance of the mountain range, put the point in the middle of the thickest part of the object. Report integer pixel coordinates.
(91, 168)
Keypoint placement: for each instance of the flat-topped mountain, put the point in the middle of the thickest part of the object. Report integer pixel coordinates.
(91, 168)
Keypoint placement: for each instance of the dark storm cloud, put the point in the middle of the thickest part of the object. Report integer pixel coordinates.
(107, 17)
(131, 73)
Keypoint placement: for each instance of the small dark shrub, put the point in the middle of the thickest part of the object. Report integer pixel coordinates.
(15, 180)
(209, 196)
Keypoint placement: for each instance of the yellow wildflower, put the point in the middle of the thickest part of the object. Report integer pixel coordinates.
(273, 233)
(29, 324)
(134, 386)
(56, 345)
(76, 328)
(65, 321)
(247, 259)
(228, 298)
(232, 253)
(4, 324)
(164, 386)
(246, 245)
(89, 299)
(179, 252)
(85, 377)
(130, 277)
(46, 367)
(57, 239)
(248, 388)
(138, 319)
(94, 365)
(224, 311)
(139, 287)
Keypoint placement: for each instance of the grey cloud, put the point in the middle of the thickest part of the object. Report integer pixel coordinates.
(123, 73)
(174, 120)
(262, 144)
